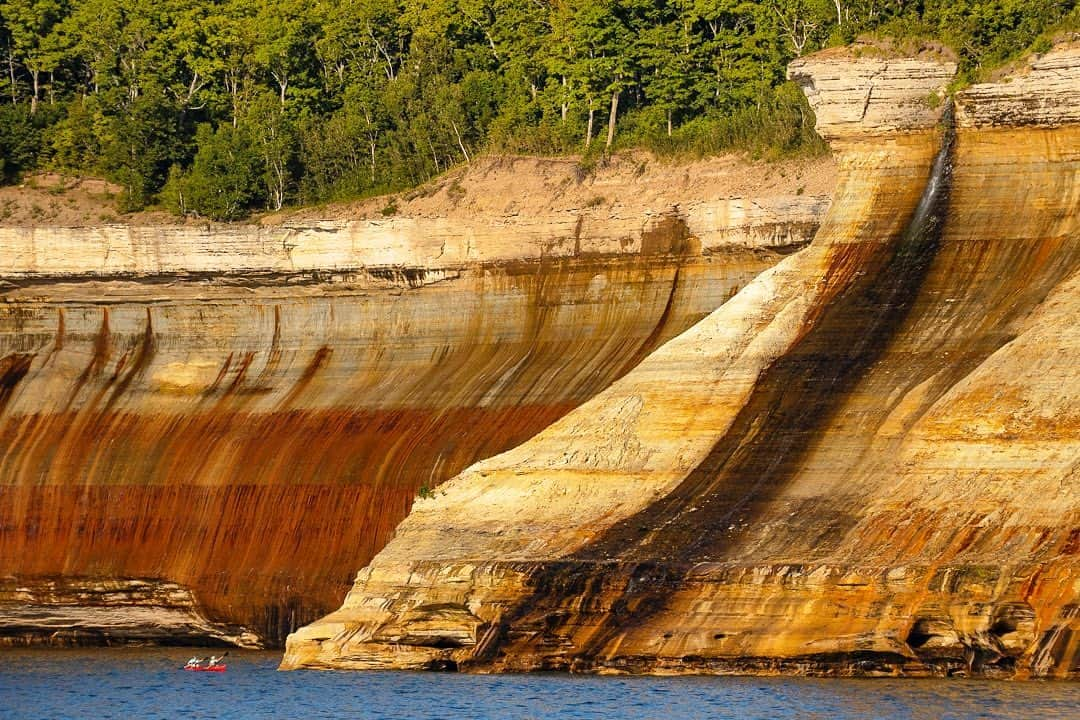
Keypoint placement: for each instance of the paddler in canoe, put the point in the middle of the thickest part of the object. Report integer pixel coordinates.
(214, 665)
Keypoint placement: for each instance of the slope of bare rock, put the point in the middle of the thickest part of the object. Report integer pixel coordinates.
(624, 184)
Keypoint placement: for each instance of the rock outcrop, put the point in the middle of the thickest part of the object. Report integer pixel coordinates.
(242, 414)
(863, 90)
(864, 463)
(1040, 94)
(438, 245)
(66, 613)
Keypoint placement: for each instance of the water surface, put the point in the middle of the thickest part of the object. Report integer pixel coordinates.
(135, 684)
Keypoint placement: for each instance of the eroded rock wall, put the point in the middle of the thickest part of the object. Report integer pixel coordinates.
(102, 611)
(419, 243)
(864, 463)
(240, 415)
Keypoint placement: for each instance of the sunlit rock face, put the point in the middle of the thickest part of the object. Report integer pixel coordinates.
(861, 91)
(864, 463)
(204, 432)
(102, 611)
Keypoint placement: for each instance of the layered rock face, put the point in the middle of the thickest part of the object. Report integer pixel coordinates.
(864, 463)
(202, 432)
(101, 611)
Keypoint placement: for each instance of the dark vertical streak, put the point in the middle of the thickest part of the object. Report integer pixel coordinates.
(273, 357)
(13, 369)
(650, 343)
(643, 558)
(140, 361)
(99, 358)
(222, 373)
(58, 341)
(318, 362)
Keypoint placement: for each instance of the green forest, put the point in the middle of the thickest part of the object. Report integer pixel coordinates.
(225, 107)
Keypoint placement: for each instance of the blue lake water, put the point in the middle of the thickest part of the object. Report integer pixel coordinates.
(147, 684)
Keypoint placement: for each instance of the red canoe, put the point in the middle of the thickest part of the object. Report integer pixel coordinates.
(199, 668)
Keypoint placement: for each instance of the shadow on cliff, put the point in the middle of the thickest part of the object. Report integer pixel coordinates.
(628, 573)
(917, 313)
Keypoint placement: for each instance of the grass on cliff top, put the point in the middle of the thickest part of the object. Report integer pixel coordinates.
(777, 127)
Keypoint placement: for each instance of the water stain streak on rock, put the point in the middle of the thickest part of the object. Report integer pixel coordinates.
(864, 463)
(248, 426)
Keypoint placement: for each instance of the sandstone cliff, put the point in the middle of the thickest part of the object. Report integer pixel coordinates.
(204, 430)
(864, 463)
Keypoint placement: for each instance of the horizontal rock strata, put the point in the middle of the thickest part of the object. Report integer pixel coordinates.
(862, 91)
(66, 612)
(864, 463)
(330, 248)
(244, 412)
(1043, 94)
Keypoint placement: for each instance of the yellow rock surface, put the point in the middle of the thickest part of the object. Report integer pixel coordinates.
(247, 412)
(866, 462)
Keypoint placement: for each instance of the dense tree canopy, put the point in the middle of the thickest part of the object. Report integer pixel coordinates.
(225, 106)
